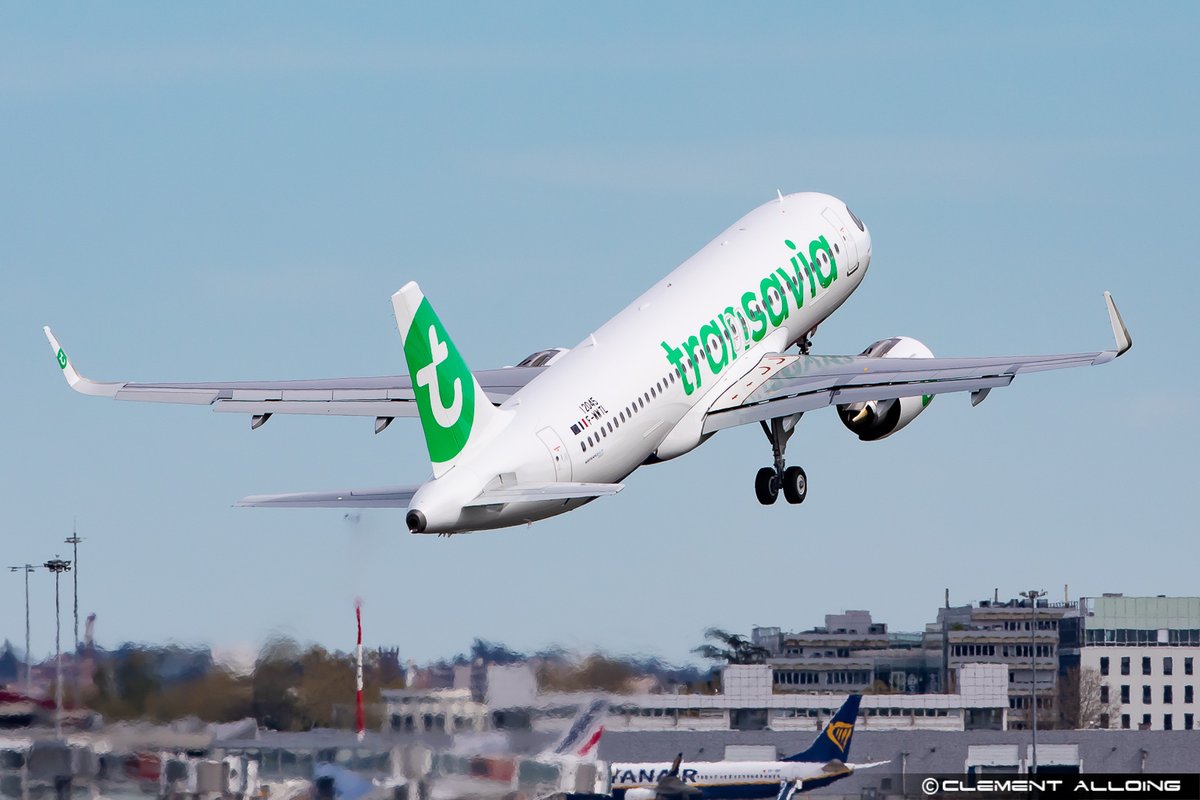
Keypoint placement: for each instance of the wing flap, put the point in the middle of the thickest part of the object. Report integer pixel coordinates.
(344, 408)
(382, 497)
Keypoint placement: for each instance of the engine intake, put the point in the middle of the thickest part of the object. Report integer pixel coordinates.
(872, 420)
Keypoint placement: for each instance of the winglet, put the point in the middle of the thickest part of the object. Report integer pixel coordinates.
(1120, 332)
(74, 379)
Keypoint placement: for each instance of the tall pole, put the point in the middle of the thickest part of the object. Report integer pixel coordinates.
(74, 541)
(57, 566)
(358, 682)
(1033, 595)
(27, 568)
(28, 658)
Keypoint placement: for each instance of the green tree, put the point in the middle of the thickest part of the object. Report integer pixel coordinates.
(597, 672)
(273, 685)
(731, 648)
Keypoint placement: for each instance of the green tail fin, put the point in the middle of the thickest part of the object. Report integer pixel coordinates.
(451, 403)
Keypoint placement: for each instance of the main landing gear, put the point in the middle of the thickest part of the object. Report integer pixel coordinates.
(769, 480)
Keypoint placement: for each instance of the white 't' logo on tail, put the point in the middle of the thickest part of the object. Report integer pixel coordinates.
(427, 376)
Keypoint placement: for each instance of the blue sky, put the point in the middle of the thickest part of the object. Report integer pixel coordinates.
(230, 192)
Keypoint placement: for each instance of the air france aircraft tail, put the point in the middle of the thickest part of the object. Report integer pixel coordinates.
(833, 742)
(449, 399)
(581, 739)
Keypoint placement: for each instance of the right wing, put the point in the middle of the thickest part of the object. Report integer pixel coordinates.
(782, 385)
(383, 396)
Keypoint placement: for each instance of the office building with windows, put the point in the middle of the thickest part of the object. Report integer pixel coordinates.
(1145, 652)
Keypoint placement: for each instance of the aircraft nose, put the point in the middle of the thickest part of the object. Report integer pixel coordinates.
(862, 238)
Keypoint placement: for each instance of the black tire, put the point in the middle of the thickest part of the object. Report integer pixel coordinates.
(766, 486)
(795, 485)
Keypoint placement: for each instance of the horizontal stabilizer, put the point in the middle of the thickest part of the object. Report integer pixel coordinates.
(382, 497)
(542, 492)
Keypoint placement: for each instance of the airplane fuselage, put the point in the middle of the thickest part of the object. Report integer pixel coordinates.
(636, 389)
(726, 780)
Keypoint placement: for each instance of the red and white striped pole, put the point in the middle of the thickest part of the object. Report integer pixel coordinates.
(358, 683)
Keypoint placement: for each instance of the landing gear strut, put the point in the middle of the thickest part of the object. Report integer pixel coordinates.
(769, 480)
(805, 343)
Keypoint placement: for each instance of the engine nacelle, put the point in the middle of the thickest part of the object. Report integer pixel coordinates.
(878, 419)
(543, 358)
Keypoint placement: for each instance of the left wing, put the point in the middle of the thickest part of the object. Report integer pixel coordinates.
(383, 397)
(782, 385)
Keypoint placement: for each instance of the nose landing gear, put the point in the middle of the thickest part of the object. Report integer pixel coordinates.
(770, 480)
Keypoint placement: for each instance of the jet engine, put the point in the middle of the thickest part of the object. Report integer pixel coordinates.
(877, 419)
(543, 358)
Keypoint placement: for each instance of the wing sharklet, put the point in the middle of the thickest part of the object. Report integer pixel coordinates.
(74, 379)
(1120, 332)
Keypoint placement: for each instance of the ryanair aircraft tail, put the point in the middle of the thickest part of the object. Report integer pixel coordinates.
(450, 401)
(833, 742)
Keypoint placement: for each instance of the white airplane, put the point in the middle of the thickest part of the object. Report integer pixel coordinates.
(704, 349)
(820, 765)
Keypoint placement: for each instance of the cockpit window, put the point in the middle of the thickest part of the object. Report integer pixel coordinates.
(857, 221)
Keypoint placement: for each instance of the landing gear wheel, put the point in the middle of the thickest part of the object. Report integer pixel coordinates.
(766, 486)
(795, 485)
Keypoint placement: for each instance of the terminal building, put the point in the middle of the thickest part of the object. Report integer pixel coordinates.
(749, 701)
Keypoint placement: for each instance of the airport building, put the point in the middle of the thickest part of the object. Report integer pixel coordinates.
(749, 701)
(1015, 633)
(852, 653)
(1139, 656)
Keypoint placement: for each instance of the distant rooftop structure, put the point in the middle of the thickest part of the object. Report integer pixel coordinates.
(1116, 612)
